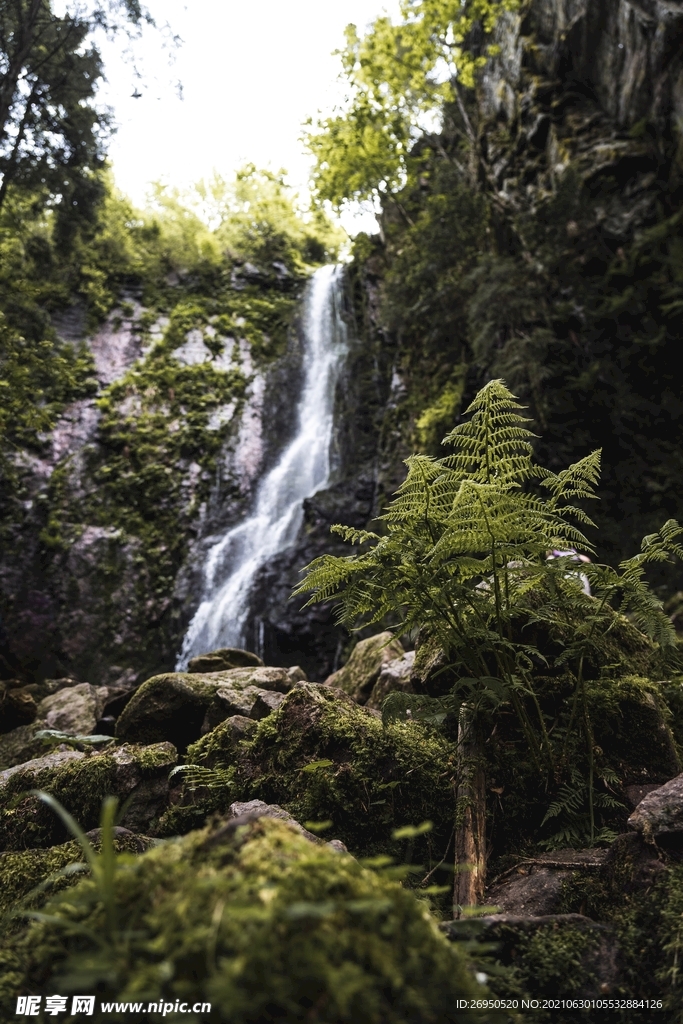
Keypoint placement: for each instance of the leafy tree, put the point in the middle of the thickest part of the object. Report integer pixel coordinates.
(399, 77)
(51, 134)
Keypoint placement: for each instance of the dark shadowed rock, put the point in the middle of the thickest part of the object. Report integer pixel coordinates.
(538, 947)
(222, 659)
(534, 887)
(661, 811)
(362, 670)
(17, 707)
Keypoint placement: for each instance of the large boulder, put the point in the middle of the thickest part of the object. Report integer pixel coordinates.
(322, 757)
(362, 670)
(223, 659)
(661, 810)
(138, 776)
(257, 921)
(179, 706)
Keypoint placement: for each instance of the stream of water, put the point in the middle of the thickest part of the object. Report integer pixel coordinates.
(302, 469)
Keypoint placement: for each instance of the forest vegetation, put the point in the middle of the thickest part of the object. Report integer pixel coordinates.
(506, 702)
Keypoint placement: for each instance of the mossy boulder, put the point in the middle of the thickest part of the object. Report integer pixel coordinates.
(323, 757)
(174, 706)
(224, 658)
(362, 670)
(137, 775)
(260, 923)
(22, 871)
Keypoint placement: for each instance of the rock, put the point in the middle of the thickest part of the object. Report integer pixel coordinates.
(362, 670)
(19, 745)
(254, 809)
(534, 887)
(40, 765)
(322, 757)
(554, 955)
(265, 704)
(395, 675)
(181, 706)
(225, 658)
(228, 701)
(17, 707)
(298, 919)
(74, 710)
(661, 810)
(168, 707)
(296, 674)
(138, 776)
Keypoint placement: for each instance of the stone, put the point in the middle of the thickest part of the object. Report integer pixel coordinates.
(228, 701)
(266, 702)
(17, 707)
(537, 947)
(661, 810)
(534, 887)
(137, 776)
(36, 766)
(225, 658)
(247, 811)
(182, 706)
(168, 707)
(74, 710)
(362, 670)
(395, 675)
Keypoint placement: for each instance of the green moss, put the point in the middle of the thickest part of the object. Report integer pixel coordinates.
(25, 870)
(264, 925)
(323, 757)
(80, 785)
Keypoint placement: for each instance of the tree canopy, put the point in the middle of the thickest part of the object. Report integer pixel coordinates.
(398, 77)
(51, 132)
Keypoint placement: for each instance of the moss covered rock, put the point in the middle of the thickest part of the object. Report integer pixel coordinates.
(137, 775)
(324, 758)
(362, 670)
(173, 706)
(23, 871)
(260, 923)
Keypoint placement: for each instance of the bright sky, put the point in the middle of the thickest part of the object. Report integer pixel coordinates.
(252, 71)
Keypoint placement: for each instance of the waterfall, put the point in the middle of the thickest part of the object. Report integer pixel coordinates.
(302, 469)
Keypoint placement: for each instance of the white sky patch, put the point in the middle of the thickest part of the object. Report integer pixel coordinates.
(251, 75)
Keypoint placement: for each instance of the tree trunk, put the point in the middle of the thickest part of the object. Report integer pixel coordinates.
(470, 822)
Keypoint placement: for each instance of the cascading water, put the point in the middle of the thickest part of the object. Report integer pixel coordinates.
(303, 469)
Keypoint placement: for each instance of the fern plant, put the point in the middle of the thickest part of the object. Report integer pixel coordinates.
(464, 559)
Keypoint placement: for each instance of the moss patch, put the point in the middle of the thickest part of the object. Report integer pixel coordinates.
(265, 926)
(324, 758)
